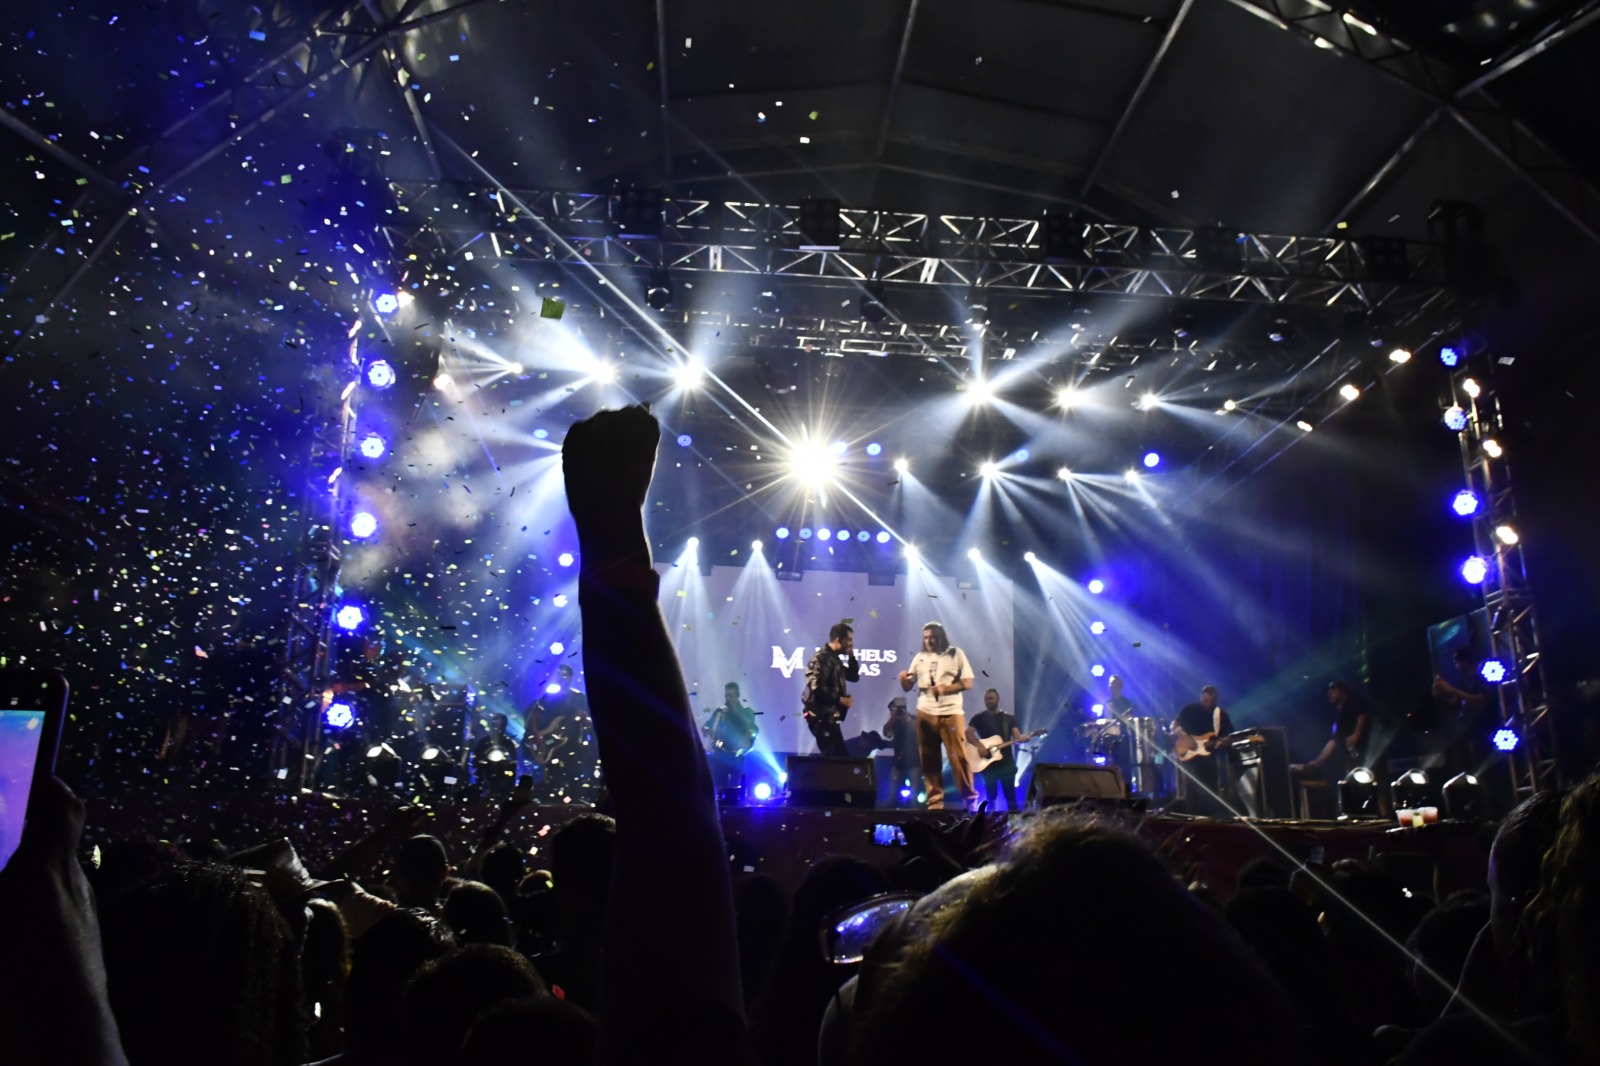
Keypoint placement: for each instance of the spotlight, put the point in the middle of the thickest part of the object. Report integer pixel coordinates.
(1349, 391)
(386, 303)
(840, 447)
(805, 532)
(1455, 418)
(687, 375)
(811, 462)
(557, 648)
(1492, 449)
(1474, 570)
(1097, 627)
(1152, 460)
(1494, 671)
(605, 373)
(564, 559)
(912, 552)
(979, 390)
(1029, 557)
(1400, 355)
(684, 440)
(1305, 427)
(1463, 798)
(863, 535)
(1449, 356)
(1505, 739)
(1064, 473)
(1229, 405)
(883, 536)
(693, 543)
(1465, 503)
(1098, 670)
(974, 554)
(988, 468)
(1096, 586)
(383, 766)
(872, 309)
(380, 375)
(782, 533)
(339, 715)
(762, 792)
(1097, 709)
(901, 466)
(1130, 475)
(443, 381)
(1099, 758)
(1410, 789)
(874, 449)
(824, 533)
(658, 292)
(350, 616)
(552, 688)
(1506, 535)
(373, 446)
(755, 545)
(560, 598)
(1066, 398)
(363, 524)
(841, 534)
(1358, 793)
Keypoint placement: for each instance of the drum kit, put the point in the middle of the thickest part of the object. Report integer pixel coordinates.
(1133, 744)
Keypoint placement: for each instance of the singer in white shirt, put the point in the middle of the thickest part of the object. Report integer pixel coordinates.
(941, 673)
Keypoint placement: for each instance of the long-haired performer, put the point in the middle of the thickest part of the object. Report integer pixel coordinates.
(941, 673)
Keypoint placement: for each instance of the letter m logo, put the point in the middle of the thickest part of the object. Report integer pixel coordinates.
(788, 663)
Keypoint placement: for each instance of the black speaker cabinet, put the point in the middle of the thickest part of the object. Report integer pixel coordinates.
(820, 781)
(1069, 783)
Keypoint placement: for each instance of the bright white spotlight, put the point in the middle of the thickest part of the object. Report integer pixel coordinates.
(1152, 460)
(1097, 628)
(386, 303)
(687, 375)
(974, 554)
(912, 552)
(812, 463)
(1492, 449)
(693, 543)
(1149, 402)
(373, 446)
(443, 381)
(564, 559)
(515, 368)
(1400, 355)
(1098, 670)
(1229, 405)
(1029, 557)
(1474, 571)
(1349, 391)
(557, 648)
(1471, 387)
(1096, 586)
(604, 373)
(1064, 473)
(364, 524)
(762, 791)
(380, 375)
(1455, 419)
(989, 468)
(902, 466)
(980, 390)
(1506, 534)
(559, 599)
(755, 545)
(1130, 476)
(1067, 398)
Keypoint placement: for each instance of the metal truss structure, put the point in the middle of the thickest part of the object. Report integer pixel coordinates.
(1523, 698)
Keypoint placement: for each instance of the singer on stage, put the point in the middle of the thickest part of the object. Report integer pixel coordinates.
(941, 673)
(826, 701)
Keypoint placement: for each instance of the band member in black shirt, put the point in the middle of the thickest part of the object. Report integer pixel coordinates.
(1205, 770)
(1347, 747)
(989, 723)
(826, 700)
(730, 732)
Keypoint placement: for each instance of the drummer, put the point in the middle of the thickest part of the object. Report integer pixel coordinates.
(1118, 705)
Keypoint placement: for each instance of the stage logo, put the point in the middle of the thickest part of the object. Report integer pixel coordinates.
(868, 657)
(788, 664)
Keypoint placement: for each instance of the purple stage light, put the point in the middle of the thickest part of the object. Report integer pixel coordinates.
(874, 449)
(1474, 570)
(1152, 460)
(363, 524)
(339, 715)
(1494, 671)
(350, 616)
(1455, 419)
(684, 440)
(380, 375)
(1096, 586)
(1465, 503)
(386, 303)
(805, 532)
(1505, 739)
(1449, 356)
(373, 446)
(782, 533)
(863, 536)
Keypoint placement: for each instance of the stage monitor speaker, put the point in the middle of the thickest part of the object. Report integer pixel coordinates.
(820, 781)
(1070, 783)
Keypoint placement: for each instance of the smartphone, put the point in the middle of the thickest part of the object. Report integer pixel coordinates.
(888, 835)
(33, 706)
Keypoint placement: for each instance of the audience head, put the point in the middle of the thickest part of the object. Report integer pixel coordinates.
(562, 1033)
(448, 994)
(420, 871)
(202, 967)
(477, 915)
(1565, 916)
(384, 958)
(1519, 848)
(1439, 948)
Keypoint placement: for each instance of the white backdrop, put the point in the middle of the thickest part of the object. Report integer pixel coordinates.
(742, 624)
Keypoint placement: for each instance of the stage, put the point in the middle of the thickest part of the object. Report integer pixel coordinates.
(782, 842)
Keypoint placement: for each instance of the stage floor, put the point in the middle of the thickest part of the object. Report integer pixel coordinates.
(782, 842)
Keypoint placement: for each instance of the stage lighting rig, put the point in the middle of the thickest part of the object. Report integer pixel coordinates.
(1400, 356)
(688, 375)
(658, 292)
(1474, 570)
(1455, 418)
(902, 466)
(363, 524)
(380, 375)
(373, 446)
(1349, 392)
(1466, 503)
(1358, 794)
(1450, 356)
(1410, 789)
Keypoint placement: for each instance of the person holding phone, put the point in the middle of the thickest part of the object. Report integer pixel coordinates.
(826, 700)
(941, 673)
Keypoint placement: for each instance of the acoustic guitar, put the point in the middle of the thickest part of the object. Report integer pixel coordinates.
(990, 750)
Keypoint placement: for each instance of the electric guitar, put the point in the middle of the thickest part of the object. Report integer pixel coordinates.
(990, 750)
(534, 742)
(1186, 747)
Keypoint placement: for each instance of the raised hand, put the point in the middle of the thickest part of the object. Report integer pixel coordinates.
(607, 461)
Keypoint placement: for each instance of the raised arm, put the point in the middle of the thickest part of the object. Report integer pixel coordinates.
(670, 963)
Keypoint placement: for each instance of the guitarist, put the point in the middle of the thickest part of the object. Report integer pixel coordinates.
(993, 722)
(1209, 773)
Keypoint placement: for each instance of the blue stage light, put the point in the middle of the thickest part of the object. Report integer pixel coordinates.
(1097, 628)
(386, 303)
(684, 440)
(350, 616)
(339, 715)
(380, 375)
(1098, 758)
(1096, 586)
(541, 434)
(883, 536)
(1449, 356)
(1474, 570)
(1098, 670)
(1152, 460)
(783, 533)
(373, 446)
(841, 534)
(1494, 671)
(1505, 739)
(1455, 419)
(874, 448)
(1097, 709)
(805, 532)
(552, 688)
(1466, 503)
(559, 599)
(565, 558)
(762, 792)
(824, 533)
(363, 524)
(863, 536)
(557, 648)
